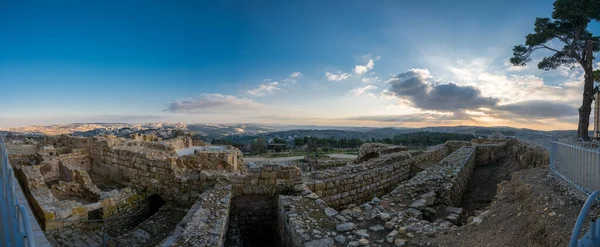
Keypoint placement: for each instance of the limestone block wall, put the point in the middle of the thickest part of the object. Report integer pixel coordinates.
(489, 153)
(301, 221)
(50, 168)
(50, 211)
(68, 141)
(145, 137)
(231, 160)
(150, 170)
(267, 180)
(205, 224)
(459, 168)
(153, 166)
(320, 164)
(287, 231)
(359, 183)
(84, 186)
(179, 142)
(455, 145)
(252, 219)
(528, 155)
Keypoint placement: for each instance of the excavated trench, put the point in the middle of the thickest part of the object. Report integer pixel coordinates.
(482, 185)
(253, 222)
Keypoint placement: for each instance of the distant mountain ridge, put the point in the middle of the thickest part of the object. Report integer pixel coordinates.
(230, 131)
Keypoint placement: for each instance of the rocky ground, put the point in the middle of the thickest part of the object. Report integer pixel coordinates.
(531, 209)
(501, 207)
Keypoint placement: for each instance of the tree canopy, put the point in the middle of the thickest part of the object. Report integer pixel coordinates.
(568, 27)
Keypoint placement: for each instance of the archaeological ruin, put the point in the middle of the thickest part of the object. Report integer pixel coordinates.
(144, 191)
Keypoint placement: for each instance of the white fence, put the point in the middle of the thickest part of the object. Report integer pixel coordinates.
(577, 162)
(14, 229)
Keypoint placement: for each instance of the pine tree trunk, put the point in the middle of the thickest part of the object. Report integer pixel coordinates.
(588, 94)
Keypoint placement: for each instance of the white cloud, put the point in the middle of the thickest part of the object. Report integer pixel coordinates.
(296, 74)
(512, 68)
(337, 76)
(369, 79)
(213, 103)
(364, 90)
(361, 69)
(263, 89)
(571, 72)
(515, 88)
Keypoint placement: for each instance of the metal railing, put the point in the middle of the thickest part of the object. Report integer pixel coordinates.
(592, 236)
(577, 162)
(540, 139)
(15, 230)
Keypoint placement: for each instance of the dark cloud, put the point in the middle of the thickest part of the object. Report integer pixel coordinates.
(536, 109)
(213, 103)
(414, 86)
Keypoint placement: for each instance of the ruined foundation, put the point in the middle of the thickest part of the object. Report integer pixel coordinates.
(180, 193)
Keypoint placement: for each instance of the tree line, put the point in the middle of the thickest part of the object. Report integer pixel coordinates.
(260, 145)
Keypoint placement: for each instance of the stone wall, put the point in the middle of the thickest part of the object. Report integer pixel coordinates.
(160, 170)
(303, 221)
(459, 168)
(489, 153)
(229, 160)
(359, 183)
(528, 155)
(179, 142)
(447, 180)
(145, 137)
(313, 164)
(68, 141)
(455, 145)
(252, 221)
(205, 224)
(52, 212)
(143, 170)
(267, 180)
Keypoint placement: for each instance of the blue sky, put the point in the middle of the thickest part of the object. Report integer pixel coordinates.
(269, 61)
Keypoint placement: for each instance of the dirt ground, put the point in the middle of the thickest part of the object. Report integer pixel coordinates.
(20, 149)
(531, 209)
(483, 184)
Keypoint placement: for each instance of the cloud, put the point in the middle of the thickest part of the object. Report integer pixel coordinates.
(369, 79)
(263, 89)
(213, 103)
(537, 109)
(416, 86)
(336, 77)
(296, 74)
(514, 88)
(428, 117)
(512, 68)
(361, 69)
(362, 90)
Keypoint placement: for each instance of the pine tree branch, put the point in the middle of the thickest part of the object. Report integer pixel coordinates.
(557, 51)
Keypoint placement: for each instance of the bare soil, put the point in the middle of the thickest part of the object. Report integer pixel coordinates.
(531, 209)
(482, 186)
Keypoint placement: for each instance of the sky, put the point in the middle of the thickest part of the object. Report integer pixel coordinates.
(342, 63)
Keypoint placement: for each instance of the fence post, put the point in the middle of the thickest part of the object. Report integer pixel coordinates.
(553, 149)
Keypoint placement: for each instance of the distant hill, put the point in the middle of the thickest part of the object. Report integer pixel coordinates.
(249, 132)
